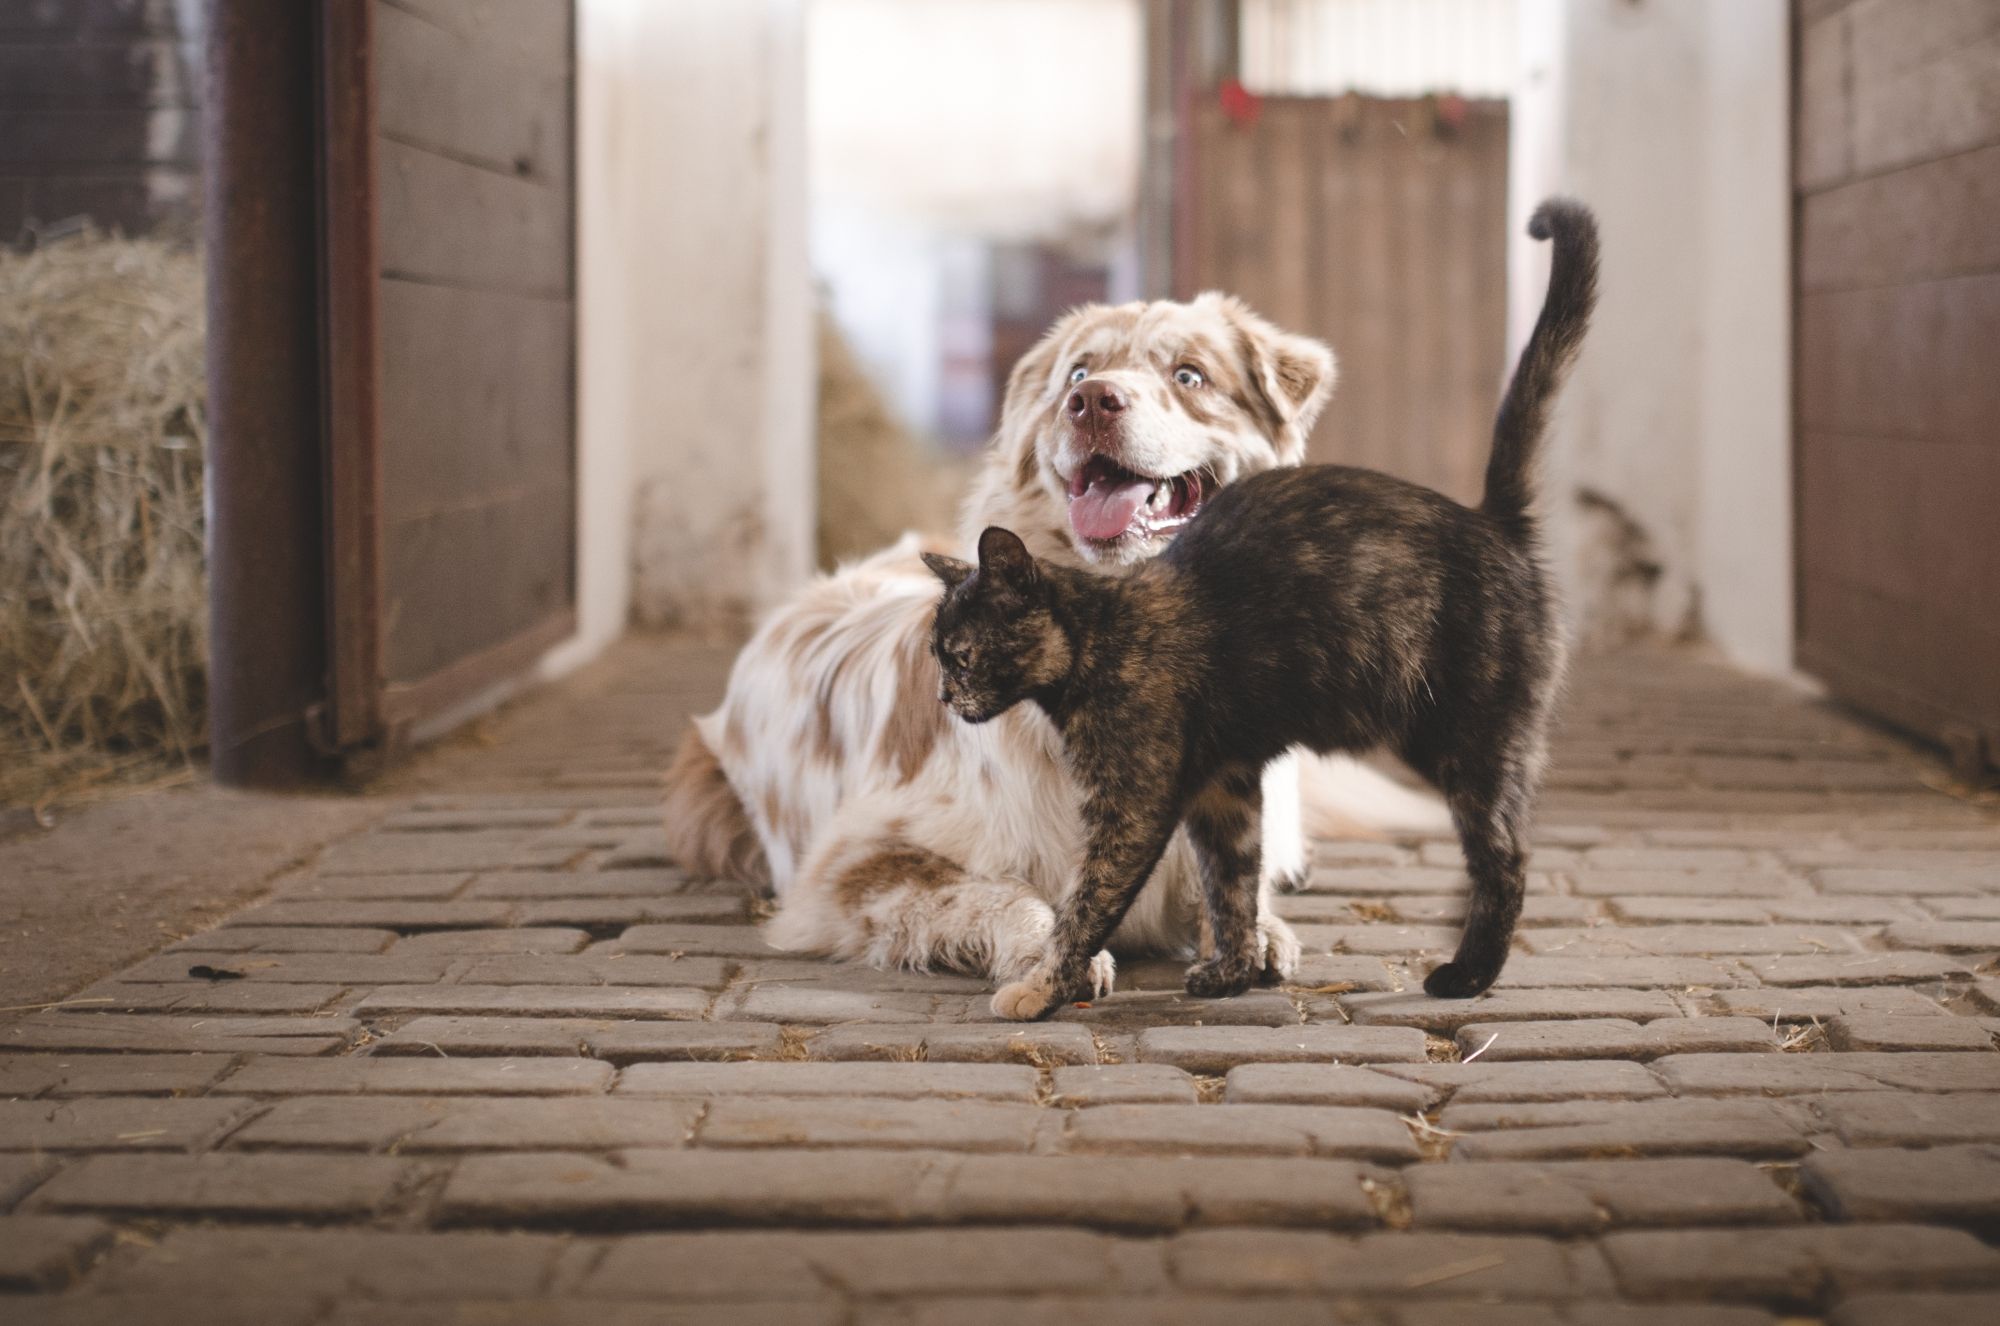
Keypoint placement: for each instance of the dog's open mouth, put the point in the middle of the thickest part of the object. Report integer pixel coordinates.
(1108, 502)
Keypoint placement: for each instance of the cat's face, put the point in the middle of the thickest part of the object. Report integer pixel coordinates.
(995, 636)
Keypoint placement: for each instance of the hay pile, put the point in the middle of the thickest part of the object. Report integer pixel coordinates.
(876, 480)
(103, 610)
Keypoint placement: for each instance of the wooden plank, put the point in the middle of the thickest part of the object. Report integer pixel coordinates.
(462, 580)
(1823, 129)
(525, 29)
(477, 394)
(410, 702)
(1947, 101)
(450, 223)
(1902, 361)
(484, 104)
(1929, 221)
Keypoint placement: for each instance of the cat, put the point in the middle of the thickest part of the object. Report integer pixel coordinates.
(1329, 607)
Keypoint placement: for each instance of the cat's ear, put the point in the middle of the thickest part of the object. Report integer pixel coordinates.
(1003, 556)
(948, 569)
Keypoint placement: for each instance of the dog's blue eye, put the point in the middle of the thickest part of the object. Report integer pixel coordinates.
(1188, 377)
(1078, 374)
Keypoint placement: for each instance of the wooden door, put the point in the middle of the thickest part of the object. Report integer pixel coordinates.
(450, 297)
(1379, 226)
(1897, 168)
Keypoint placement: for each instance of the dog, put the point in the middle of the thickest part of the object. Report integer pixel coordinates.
(831, 774)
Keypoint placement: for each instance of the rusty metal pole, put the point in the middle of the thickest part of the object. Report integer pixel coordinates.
(267, 634)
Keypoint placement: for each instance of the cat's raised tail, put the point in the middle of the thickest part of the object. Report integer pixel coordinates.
(1524, 411)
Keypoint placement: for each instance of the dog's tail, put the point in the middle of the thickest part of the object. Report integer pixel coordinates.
(1524, 412)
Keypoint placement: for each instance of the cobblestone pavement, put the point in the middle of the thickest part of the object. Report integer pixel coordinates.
(495, 1060)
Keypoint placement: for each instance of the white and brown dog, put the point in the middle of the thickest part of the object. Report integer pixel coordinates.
(892, 833)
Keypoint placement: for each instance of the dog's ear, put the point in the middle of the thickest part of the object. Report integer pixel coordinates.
(1003, 556)
(948, 569)
(1293, 376)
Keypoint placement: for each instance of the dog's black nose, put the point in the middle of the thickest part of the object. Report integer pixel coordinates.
(1093, 400)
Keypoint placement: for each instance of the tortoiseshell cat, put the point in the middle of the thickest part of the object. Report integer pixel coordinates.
(1328, 607)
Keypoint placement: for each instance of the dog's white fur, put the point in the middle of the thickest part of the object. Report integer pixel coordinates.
(894, 834)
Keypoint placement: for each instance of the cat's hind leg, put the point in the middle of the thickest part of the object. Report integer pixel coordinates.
(1225, 825)
(1490, 803)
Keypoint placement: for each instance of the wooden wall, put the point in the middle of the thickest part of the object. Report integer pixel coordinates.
(477, 291)
(99, 116)
(1381, 227)
(1897, 169)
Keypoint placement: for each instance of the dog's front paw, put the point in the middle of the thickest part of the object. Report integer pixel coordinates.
(1103, 972)
(1033, 996)
(1218, 978)
(1277, 949)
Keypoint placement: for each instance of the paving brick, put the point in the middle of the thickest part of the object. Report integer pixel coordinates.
(1343, 972)
(1352, 1134)
(1326, 1084)
(1928, 881)
(1754, 1129)
(286, 939)
(1417, 1009)
(21, 1174)
(116, 1123)
(399, 916)
(224, 1185)
(1605, 883)
(402, 888)
(604, 913)
(1864, 1031)
(1387, 940)
(1171, 1008)
(193, 1266)
(1614, 1038)
(293, 968)
(223, 1035)
(1404, 1265)
(429, 853)
(1219, 1049)
(725, 941)
(1664, 859)
(1825, 1002)
(600, 884)
(521, 939)
(823, 975)
(1900, 1118)
(411, 1124)
(1122, 1084)
(537, 1001)
(47, 1251)
(1947, 1184)
(1576, 1197)
(109, 1074)
(1537, 909)
(1485, 1083)
(372, 1075)
(795, 1121)
(1984, 907)
(1930, 1309)
(1378, 881)
(815, 1007)
(614, 1041)
(1952, 937)
(206, 997)
(1796, 1266)
(1040, 1043)
(1647, 910)
(905, 1081)
(437, 821)
(1715, 1074)
(597, 969)
(1689, 940)
(1635, 973)
(1857, 969)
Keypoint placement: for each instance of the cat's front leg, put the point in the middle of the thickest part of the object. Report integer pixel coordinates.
(1224, 824)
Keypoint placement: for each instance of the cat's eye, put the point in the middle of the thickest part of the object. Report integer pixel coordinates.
(1187, 375)
(1078, 374)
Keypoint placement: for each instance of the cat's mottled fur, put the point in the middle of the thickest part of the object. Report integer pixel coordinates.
(1328, 607)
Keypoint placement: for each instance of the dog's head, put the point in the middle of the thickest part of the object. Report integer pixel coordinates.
(1123, 420)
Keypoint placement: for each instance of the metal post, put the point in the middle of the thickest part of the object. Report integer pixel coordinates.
(267, 637)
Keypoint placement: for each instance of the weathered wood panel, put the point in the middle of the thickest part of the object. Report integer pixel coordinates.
(1898, 332)
(453, 223)
(1379, 226)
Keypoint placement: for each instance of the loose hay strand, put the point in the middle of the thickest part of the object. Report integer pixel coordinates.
(103, 604)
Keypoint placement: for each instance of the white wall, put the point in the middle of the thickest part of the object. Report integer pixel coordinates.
(1671, 118)
(695, 356)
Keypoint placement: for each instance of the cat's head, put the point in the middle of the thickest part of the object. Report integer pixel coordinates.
(996, 636)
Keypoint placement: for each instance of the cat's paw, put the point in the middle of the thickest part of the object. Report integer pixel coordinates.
(1033, 996)
(1455, 980)
(1219, 978)
(1103, 972)
(1277, 949)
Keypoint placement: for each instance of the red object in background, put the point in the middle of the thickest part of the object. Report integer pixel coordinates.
(1451, 110)
(1239, 103)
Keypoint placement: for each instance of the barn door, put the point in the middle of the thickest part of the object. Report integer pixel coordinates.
(450, 302)
(1379, 226)
(1897, 169)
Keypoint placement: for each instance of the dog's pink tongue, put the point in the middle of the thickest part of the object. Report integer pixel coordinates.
(1105, 509)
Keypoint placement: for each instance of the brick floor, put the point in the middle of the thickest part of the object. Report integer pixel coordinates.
(497, 1060)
